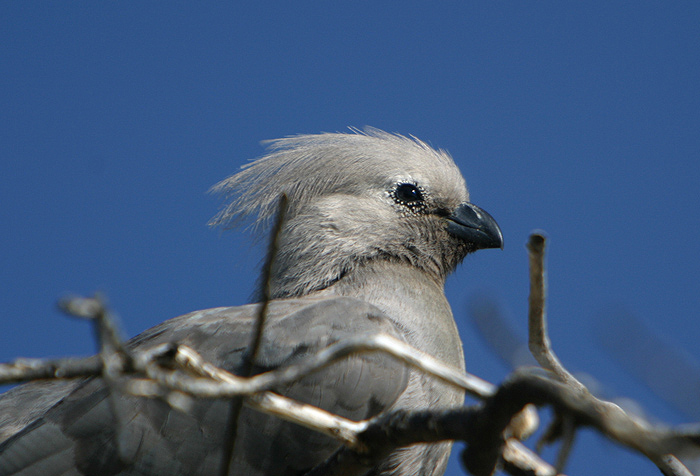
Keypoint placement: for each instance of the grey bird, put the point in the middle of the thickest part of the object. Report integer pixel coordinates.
(375, 223)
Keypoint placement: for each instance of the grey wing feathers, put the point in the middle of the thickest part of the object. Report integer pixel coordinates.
(42, 394)
(92, 431)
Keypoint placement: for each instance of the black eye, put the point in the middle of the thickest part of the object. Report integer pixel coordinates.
(408, 194)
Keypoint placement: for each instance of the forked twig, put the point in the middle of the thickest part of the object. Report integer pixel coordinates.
(614, 422)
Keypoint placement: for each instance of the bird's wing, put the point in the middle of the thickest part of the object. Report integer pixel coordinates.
(95, 430)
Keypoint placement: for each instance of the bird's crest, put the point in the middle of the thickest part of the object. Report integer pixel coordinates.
(306, 166)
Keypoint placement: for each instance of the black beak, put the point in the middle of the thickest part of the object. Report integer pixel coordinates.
(474, 225)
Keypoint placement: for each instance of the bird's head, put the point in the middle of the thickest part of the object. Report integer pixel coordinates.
(355, 198)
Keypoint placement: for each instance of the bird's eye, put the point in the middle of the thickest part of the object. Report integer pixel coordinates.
(408, 194)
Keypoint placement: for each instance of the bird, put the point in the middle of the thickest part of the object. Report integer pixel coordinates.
(375, 222)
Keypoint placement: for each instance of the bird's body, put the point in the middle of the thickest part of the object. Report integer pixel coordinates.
(375, 223)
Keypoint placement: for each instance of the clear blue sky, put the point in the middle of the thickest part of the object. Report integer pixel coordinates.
(582, 119)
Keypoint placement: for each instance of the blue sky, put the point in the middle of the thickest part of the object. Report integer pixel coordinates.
(581, 119)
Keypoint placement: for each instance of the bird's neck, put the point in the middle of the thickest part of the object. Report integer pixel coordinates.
(413, 299)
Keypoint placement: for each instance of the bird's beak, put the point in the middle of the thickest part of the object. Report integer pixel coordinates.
(474, 225)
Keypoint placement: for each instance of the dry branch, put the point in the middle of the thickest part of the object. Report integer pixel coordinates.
(575, 401)
(178, 374)
(539, 343)
(172, 371)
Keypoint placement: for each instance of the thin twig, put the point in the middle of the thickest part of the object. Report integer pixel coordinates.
(254, 347)
(212, 382)
(23, 369)
(108, 335)
(114, 358)
(539, 342)
(113, 353)
(266, 283)
(568, 436)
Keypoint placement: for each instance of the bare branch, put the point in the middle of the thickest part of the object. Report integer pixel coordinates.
(519, 460)
(611, 420)
(23, 369)
(350, 433)
(671, 466)
(253, 348)
(539, 342)
(210, 381)
(113, 358)
(529, 386)
(113, 353)
(266, 278)
(399, 428)
(195, 377)
(109, 336)
(178, 374)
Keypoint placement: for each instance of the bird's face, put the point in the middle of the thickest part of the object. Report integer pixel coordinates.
(355, 199)
(444, 224)
(420, 217)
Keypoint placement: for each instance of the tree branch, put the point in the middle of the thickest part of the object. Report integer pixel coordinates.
(540, 345)
(249, 359)
(632, 431)
(178, 374)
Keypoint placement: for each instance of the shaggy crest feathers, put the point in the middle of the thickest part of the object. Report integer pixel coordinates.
(307, 166)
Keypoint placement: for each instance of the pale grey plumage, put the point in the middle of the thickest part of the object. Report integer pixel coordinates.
(339, 188)
(375, 223)
(308, 166)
